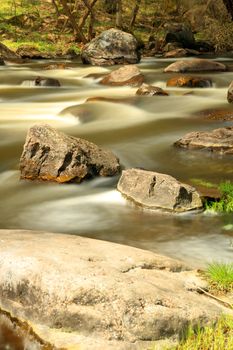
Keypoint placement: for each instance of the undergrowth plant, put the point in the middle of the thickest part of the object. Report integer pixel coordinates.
(225, 204)
(215, 337)
(220, 276)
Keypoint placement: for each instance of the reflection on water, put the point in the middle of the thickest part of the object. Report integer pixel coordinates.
(140, 131)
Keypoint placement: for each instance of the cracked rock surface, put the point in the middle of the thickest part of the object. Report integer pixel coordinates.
(107, 295)
(53, 156)
(158, 191)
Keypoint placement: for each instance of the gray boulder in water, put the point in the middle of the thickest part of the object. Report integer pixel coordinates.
(51, 155)
(111, 47)
(218, 140)
(153, 190)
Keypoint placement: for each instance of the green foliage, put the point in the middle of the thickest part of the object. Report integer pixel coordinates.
(215, 337)
(220, 276)
(225, 204)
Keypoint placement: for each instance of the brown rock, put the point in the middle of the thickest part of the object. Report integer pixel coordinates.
(188, 81)
(6, 53)
(91, 294)
(158, 191)
(216, 114)
(230, 93)
(39, 81)
(111, 47)
(181, 53)
(150, 90)
(218, 140)
(53, 156)
(195, 65)
(126, 75)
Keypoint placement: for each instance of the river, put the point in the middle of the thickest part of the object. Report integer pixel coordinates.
(140, 131)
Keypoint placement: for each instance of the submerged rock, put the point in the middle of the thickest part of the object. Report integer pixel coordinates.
(126, 75)
(53, 156)
(188, 81)
(111, 47)
(150, 90)
(195, 65)
(39, 81)
(218, 140)
(215, 114)
(108, 296)
(158, 191)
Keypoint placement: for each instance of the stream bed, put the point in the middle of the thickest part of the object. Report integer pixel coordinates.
(140, 131)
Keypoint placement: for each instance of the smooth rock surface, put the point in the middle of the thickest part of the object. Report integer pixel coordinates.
(126, 75)
(91, 294)
(111, 47)
(188, 81)
(150, 90)
(218, 140)
(53, 156)
(158, 191)
(195, 65)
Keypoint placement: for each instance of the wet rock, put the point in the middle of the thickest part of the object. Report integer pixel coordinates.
(126, 75)
(150, 90)
(158, 191)
(126, 100)
(216, 114)
(195, 65)
(111, 47)
(6, 54)
(53, 156)
(107, 295)
(39, 81)
(189, 81)
(218, 140)
(55, 66)
(181, 53)
(230, 93)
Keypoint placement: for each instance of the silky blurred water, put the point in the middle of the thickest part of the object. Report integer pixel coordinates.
(140, 131)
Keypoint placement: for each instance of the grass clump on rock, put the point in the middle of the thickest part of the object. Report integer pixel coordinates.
(225, 204)
(220, 276)
(218, 336)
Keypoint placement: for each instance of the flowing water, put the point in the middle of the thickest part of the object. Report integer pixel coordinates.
(140, 131)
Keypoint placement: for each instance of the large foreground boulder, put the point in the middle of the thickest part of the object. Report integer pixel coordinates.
(126, 75)
(111, 47)
(158, 191)
(51, 155)
(91, 294)
(195, 65)
(218, 140)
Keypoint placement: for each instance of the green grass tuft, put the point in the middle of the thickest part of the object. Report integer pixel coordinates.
(225, 204)
(216, 337)
(220, 276)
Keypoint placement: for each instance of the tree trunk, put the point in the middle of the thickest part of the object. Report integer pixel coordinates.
(229, 7)
(134, 14)
(119, 14)
(78, 32)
